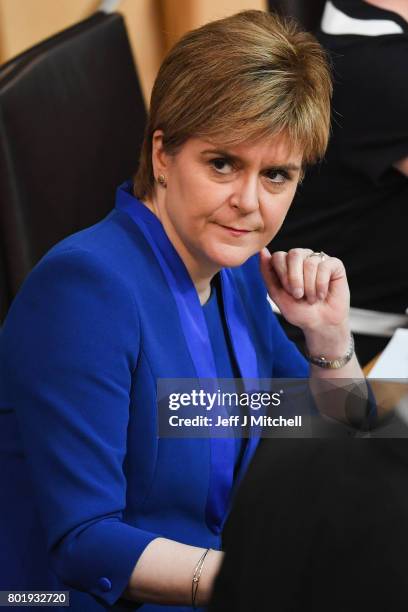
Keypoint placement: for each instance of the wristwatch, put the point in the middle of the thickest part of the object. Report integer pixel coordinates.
(333, 364)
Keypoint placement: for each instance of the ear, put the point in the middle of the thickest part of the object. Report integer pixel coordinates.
(160, 159)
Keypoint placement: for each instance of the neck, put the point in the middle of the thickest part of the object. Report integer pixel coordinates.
(396, 6)
(204, 292)
(200, 276)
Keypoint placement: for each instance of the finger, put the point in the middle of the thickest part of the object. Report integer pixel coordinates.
(331, 279)
(265, 260)
(294, 262)
(310, 267)
(323, 275)
(264, 256)
(271, 278)
(275, 289)
(338, 278)
(278, 262)
(265, 263)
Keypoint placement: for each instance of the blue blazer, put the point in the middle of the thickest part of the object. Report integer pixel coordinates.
(89, 484)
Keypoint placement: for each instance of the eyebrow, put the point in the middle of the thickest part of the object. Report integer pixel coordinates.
(233, 157)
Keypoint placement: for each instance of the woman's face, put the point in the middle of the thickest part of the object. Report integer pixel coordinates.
(224, 204)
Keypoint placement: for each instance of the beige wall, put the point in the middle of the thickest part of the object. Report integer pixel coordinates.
(182, 15)
(145, 30)
(25, 22)
(152, 25)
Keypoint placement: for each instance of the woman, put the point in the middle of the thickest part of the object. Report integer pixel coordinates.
(168, 286)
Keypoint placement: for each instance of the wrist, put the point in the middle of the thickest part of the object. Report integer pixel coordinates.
(210, 570)
(331, 342)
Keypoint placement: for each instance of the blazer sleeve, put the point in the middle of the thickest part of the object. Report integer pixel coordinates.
(71, 342)
(288, 361)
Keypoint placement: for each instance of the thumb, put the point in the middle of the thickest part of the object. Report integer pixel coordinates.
(265, 264)
(270, 277)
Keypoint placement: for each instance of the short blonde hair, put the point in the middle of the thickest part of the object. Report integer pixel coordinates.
(238, 79)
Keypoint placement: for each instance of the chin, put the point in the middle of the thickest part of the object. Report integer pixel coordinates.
(231, 258)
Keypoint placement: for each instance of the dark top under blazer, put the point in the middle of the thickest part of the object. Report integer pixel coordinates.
(92, 329)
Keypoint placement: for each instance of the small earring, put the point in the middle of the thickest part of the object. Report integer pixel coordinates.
(162, 180)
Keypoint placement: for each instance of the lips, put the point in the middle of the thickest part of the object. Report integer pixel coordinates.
(238, 230)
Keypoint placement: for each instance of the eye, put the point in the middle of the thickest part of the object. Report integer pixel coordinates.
(277, 176)
(221, 165)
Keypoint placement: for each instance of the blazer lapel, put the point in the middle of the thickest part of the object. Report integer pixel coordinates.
(245, 355)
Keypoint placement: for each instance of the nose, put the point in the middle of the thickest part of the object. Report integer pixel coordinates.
(245, 196)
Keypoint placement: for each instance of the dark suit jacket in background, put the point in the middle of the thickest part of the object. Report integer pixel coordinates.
(319, 525)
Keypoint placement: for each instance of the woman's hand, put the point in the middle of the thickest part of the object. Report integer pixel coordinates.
(310, 292)
(313, 294)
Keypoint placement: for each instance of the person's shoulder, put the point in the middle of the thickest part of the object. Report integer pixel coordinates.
(115, 235)
(80, 289)
(96, 269)
(112, 247)
(348, 49)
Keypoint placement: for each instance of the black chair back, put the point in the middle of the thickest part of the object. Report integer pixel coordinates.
(307, 12)
(72, 118)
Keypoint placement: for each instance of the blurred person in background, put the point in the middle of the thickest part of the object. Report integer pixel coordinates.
(354, 204)
(167, 286)
(319, 525)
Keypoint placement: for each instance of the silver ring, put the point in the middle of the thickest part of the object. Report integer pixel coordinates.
(320, 254)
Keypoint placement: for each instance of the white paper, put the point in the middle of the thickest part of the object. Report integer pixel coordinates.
(393, 362)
